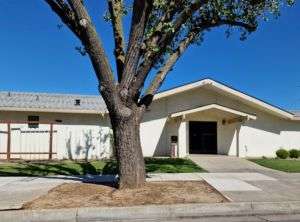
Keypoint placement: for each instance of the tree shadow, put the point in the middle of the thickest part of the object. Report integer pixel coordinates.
(111, 168)
(87, 147)
(93, 145)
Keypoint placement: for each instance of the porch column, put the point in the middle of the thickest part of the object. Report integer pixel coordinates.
(237, 130)
(183, 136)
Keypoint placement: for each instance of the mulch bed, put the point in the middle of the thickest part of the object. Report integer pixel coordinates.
(73, 195)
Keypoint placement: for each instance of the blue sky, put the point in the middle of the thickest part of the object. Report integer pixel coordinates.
(37, 56)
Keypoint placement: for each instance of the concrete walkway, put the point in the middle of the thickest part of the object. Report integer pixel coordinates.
(237, 179)
(255, 183)
(238, 187)
(222, 163)
(15, 191)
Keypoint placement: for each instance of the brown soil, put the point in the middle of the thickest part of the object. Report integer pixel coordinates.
(73, 195)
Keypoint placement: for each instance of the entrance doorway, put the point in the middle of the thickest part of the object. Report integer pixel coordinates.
(203, 137)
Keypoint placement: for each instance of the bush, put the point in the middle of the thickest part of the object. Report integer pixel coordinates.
(282, 153)
(294, 153)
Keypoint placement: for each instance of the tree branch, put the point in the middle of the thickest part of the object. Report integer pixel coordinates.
(65, 14)
(93, 45)
(183, 45)
(162, 42)
(116, 10)
(162, 73)
(140, 16)
(248, 27)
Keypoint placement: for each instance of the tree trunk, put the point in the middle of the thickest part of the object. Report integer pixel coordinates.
(129, 152)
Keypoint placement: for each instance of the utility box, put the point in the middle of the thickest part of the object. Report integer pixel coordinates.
(174, 146)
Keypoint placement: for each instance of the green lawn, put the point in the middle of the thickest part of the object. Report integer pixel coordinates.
(67, 167)
(291, 166)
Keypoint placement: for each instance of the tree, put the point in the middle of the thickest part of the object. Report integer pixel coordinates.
(160, 31)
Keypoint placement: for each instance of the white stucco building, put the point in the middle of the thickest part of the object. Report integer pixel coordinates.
(202, 117)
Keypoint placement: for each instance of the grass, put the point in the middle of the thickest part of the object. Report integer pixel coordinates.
(290, 166)
(68, 167)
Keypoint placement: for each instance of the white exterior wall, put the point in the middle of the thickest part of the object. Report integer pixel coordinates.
(267, 134)
(79, 136)
(81, 132)
(254, 138)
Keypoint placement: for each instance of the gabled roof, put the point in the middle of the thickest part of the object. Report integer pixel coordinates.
(47, 102)
(65, 103)
(296, 114)
(217, 107)
(229, 90)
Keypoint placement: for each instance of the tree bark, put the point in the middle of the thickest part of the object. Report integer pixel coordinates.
(129, 153)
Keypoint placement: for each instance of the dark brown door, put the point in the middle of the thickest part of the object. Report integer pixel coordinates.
(203, 137)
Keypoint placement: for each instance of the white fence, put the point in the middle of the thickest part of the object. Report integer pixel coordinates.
(51, 141)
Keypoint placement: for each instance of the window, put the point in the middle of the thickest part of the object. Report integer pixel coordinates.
(77, 102)
(33, 122)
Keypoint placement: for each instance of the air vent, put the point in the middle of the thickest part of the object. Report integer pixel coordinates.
(77, 102)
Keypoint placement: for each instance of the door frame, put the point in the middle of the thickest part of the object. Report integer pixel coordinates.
(202, 121)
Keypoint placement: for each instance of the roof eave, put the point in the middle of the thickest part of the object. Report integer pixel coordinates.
(45, 110)
(214, 106)
(277, 111)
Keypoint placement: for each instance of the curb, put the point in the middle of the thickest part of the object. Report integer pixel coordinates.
(152, 212)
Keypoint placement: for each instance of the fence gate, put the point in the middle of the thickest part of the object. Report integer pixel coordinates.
(27, 140)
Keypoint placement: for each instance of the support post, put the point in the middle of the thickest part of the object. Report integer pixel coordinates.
(182, 149)
(238, 141)
(8, 141)
(51, 141)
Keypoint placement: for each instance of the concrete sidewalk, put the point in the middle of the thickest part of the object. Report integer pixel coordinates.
(256, 183)
(15, 191)
(237, 187)
(247, 191)
(157, 212)
(237, 179)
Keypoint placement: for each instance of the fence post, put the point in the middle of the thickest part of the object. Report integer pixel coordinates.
(8, 141)
(51, 141)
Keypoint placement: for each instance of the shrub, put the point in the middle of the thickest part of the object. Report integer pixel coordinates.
(294, 153)
(282, 153)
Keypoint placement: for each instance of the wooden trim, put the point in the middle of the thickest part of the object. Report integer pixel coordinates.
(8, 141)
(26, 122)
(214, 106)
(36, 131)
(50, 141)
(25, 153)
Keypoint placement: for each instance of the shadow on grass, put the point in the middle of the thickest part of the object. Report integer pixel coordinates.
(106, 167)
(49, 168)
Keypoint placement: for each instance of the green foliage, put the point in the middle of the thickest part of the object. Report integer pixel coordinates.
(235, 13)
(294, 153)
(124, 11)
(282, 153)
(291, 166)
